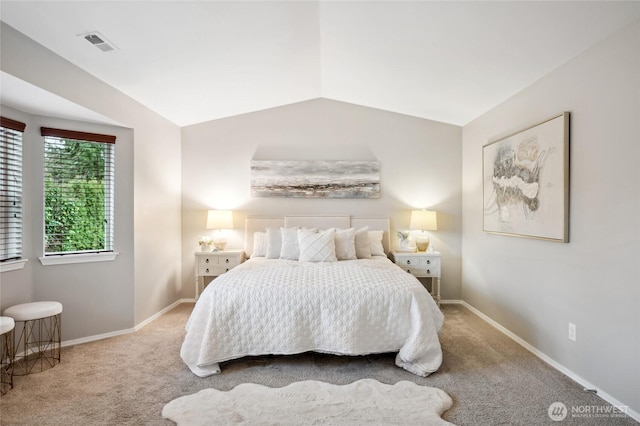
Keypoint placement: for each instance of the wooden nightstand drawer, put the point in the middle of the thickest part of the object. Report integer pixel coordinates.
(205, 261)
(417, 259)
(400, 259)
(229, 261)
(433, 262)
(213, 270)
(422, 271)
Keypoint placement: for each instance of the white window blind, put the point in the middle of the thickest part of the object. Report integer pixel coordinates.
(79, 189)
(10, 189)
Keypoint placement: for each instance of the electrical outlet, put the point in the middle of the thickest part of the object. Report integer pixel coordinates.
(572, 332)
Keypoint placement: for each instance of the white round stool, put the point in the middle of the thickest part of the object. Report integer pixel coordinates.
(7, 332)
(38, 343)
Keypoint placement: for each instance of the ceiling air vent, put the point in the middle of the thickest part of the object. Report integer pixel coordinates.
(99, 41)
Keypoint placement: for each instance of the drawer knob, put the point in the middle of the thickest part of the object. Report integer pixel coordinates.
(206, 260)
(428, 261)
(409, 270)
(207, 271)
(408, 261)
(428, 271)
(227, 270)
(226, 261)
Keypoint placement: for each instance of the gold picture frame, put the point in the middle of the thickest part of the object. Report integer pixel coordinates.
(526, 182)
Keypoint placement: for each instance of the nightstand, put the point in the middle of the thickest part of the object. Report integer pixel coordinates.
(214, 263)
(421, 264)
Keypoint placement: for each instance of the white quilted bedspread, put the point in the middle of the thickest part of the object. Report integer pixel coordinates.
(351, 307)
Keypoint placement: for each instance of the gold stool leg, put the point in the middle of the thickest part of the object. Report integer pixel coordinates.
(6, 361)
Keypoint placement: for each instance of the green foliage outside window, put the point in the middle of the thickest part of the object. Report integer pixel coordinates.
(74, 195)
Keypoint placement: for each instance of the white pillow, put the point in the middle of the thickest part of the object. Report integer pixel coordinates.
(290, 248)
(363, 243)
(376, 243)
(259, 244)
(317, 246)
(345, 244)
(274, 243)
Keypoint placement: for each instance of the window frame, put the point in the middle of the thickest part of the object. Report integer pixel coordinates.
(14, 138)
(92, 255)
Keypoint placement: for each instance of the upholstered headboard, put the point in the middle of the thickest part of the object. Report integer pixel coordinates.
(259, 224)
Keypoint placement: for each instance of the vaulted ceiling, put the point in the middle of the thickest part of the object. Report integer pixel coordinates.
(197, 61)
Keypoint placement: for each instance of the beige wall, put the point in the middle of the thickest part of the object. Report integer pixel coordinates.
(535, 288)
(146, 277)
(420, 168)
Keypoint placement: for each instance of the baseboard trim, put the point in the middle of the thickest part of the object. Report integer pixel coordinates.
(561, 368)
(93, 338)
(126, 330)
(159, 314)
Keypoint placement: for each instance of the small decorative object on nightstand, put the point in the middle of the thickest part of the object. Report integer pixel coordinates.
(216, 263)
(205, 244)
(403, 236)
(421, 265)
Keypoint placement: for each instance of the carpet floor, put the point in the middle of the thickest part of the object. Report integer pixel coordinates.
(127, 380)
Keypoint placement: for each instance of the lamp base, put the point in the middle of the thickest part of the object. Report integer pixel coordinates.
(422, 243)
(219, 244)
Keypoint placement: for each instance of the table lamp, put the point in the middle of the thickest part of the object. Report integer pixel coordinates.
(423, 220)
(219, 220)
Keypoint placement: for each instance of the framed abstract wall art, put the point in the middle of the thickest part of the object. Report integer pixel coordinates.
(526, 182)
(315, 179)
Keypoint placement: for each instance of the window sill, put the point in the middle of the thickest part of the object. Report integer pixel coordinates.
(12, 265)
(78, 258)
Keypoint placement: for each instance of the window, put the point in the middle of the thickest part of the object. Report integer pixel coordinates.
(10, 189)
(78, 192)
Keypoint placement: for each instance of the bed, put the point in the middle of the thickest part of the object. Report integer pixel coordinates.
(313, 284)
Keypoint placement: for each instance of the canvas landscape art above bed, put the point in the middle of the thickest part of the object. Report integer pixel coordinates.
(315, 179)
(328, 289)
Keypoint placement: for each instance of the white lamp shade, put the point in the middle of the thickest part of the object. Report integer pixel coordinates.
(424, 220)
(219, 219)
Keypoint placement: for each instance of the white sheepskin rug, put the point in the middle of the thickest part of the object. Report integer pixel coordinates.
(363, 402)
